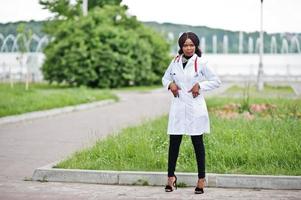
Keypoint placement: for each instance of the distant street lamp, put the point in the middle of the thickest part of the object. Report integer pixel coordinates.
(85, 7)
(260, 67)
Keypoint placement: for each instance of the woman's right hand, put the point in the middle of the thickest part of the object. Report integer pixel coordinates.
(174, 88)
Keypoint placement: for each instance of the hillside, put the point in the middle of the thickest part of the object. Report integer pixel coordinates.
(172, 31)
(233, 36)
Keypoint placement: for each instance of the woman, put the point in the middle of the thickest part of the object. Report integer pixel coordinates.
(187, 77)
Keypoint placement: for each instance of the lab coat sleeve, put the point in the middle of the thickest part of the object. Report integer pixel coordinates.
(167, 78)
(211, 81)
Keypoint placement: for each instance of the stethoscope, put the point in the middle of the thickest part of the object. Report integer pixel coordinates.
(177, 59)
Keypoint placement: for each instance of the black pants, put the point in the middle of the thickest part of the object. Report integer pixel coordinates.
(173, 153)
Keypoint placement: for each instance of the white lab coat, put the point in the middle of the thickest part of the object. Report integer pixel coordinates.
(189, 115)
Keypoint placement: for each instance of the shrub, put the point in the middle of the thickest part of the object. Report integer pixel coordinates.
(105, 49)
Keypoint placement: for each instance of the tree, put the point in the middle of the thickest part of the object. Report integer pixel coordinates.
(64, 10)
(101, 3)
(23, 46)
(107, 48)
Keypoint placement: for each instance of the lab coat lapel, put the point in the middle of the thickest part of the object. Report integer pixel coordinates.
(180, 64)
(190, 63)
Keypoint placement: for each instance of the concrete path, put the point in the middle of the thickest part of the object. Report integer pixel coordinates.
(73, 191)
(27, 145)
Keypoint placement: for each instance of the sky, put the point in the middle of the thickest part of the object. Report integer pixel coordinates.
(236, 15)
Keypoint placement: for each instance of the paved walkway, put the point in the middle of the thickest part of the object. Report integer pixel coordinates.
(27, 145)
(73, 191)
(297, 88)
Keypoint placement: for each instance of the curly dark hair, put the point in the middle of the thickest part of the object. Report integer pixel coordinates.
(194, 38)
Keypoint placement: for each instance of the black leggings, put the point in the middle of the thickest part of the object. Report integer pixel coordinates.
(173, 153)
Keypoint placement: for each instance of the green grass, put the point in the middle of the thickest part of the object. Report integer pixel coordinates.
(260, 146)
(139, 88)
(265, 145)
(269, 90)
(17, 100)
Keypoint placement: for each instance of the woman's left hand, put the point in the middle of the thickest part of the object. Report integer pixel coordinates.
(195, 90)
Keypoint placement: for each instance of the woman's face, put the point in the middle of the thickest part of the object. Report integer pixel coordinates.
(188, 48)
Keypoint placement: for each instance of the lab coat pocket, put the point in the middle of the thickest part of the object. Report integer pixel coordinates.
(177, 112)
(199, 106)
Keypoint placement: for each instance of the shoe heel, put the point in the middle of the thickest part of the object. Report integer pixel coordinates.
(175, 183)
(170, 188)
(200, 190)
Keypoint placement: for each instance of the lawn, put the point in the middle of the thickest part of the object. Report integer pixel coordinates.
(17, 100)
(268, 91)
(139, 88)
(260, 138)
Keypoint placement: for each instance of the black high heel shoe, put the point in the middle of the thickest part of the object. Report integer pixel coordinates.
(200, 190)
(170, 188)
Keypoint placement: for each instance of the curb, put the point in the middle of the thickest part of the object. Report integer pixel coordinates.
(48, 173)
(52, 112)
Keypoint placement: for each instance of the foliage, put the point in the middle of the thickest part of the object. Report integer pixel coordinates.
(23, 47)
(64, 10)
(105, 49)
(245, 104)
(101, 3)
(25, 35)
